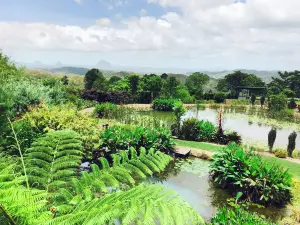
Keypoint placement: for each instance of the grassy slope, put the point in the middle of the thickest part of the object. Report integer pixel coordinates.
(293, 167)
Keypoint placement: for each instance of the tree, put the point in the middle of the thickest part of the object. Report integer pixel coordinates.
(253, 99)
(271, 138)
(164, 76)
(220, 97)
(289, 93)
(121, 85)
(149, 88)
(289, 80)
(94, 79)
(292, 143)
(114, 79)
(231, 81)
(170, 87)
(195, 83)
(262, 100)
(133, 81)
(183, 94)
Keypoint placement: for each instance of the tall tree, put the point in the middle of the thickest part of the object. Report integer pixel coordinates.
(114, 79)
(133, 81)
(170, 86)
(149, 87)
(164, 76)
(195, 83)
(94, 79)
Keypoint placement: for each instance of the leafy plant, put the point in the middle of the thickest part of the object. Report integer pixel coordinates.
(54, 159)
(115, 97)
(123, 137)
(271, 138)
(190, 130)
(164, 104)
(260, 182)
(220, 97)
(105, 109)
(207, 131)
(237, 216)
(292, 143)
(292, 104)
(280, 153)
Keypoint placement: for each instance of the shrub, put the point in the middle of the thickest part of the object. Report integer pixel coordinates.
(164, 104)
(253, 99)
(292, 143)
(123, 137)
(237, 216)
(116, 97)
(271, 138)
(190, 129)
(242, 171)
(231, 136)
(262, 100)
(207, 131)
(277, 102)
(292, 104)
(220, 97)
(105, 109)
(45, 119)
(280, 153)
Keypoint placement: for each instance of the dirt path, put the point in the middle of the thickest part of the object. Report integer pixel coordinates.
(204, 154)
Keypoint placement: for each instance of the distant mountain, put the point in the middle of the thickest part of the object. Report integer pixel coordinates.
(70, 69)
(104, 65)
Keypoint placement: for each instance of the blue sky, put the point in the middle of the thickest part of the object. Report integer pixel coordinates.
(190, 34)
(71, 12)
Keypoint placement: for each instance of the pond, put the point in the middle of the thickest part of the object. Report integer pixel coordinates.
(190, 179)
(249, 131)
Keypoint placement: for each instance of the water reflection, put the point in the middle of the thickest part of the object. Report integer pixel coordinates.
(190, 179)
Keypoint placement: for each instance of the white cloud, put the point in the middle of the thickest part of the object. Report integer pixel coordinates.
(78, 1)
(143, 12)
(103, 22)
(258, 33)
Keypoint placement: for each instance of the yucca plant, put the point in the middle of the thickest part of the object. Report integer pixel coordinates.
(260, 182)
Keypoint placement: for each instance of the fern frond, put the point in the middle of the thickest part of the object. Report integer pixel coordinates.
(54, 159)
(104, 163)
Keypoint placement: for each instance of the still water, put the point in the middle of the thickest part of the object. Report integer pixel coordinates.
(248, 131)
(190, 179)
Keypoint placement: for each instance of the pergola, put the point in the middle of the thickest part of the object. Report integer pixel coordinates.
(245, 92)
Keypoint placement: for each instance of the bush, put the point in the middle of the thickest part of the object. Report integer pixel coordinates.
(45, 119)
(280, 153)
(118, 138)
(231, 136)
(190, 130)
(207, 131)
(116, 97)
(237, 216)
(164, 104)
(242, 171)
(292, 104)
(277, 102)
(105, 109)
(220, 97)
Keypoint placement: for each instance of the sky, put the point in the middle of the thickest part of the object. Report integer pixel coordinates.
(192, 34)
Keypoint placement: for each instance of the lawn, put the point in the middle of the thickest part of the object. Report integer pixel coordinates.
(294, 168)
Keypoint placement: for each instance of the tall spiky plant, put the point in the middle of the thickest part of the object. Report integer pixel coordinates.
(292, 143)
(271, 138)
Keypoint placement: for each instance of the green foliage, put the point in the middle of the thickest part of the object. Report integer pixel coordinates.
(183, 94)
(280, 153)
(94, 79)
(164, 104)
(271, 138)
(45, 119)
(195, 84)
(207, 131)
(139, 205)
(65, 80)
(277, 102)
(237, 216)
(54, 159)
(220, 97)
(123, 137)
(253, 99)
(105, 109)
(292, 104)
(179, 110)
(262, 100)
(260, 182)
(189, 130)
(292, 143)
(231, 81)
(149, 88)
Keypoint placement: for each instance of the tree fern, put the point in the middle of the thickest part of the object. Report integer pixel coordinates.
(140, 205)
(54, 159)
(19, 205)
